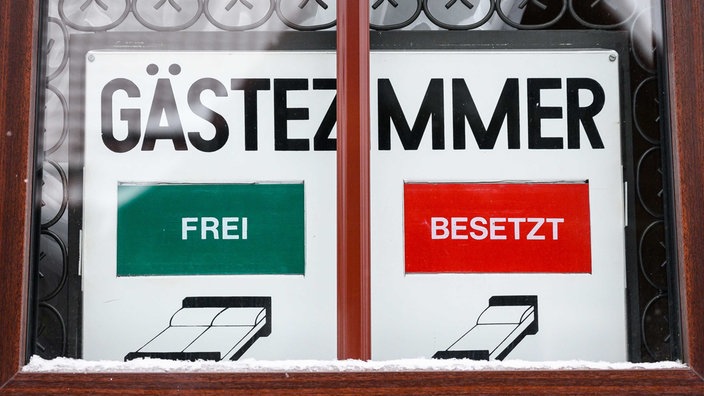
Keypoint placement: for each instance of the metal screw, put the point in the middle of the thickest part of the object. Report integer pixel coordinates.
(612, 58)
(91, 57)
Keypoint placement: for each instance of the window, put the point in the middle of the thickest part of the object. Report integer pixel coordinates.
(687, 225)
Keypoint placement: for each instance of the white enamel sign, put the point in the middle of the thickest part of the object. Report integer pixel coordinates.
(209, 205)
(498, 206)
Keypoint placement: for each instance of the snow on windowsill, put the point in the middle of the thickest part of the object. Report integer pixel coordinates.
(65, 365)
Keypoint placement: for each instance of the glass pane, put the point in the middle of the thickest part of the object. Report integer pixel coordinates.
(188, 206)
(518, 207)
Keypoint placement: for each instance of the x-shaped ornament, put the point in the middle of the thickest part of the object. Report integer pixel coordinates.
(234, 2)
(465, 2)
(380, 2)
(171, 2)
(100, 4)
(524, 3)
(320, 3)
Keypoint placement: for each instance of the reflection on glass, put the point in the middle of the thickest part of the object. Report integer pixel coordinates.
(214, 98)
(57, 300)
(653, 318)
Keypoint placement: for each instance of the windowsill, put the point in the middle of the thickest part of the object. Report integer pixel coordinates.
(65, 365)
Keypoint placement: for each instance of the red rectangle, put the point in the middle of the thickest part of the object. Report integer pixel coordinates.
(497, 228)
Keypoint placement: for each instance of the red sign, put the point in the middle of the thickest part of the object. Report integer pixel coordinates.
(497, 227)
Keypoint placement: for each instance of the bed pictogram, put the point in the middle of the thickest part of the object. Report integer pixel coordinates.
(498, 330)
(210, 328)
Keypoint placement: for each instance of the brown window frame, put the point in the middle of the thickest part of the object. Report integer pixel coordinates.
(684, 36)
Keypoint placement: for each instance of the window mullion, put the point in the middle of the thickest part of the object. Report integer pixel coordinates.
(353, 240)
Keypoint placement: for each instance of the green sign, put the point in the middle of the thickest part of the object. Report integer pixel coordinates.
(210, 229)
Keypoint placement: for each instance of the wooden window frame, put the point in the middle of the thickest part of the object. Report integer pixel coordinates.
(684, 41)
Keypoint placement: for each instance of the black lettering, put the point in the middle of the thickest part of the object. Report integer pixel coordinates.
(536, 113)
(390, 109)
(282, 114)
(250, 86)
(164, 103)
(222, 130)
(583, 115)
(132, 116)
(507, 108)
(322, 140)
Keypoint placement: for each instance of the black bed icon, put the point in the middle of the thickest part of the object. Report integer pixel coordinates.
(210, 328)
(498, 330)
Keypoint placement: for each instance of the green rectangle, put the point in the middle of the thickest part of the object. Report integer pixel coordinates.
(210, 229)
